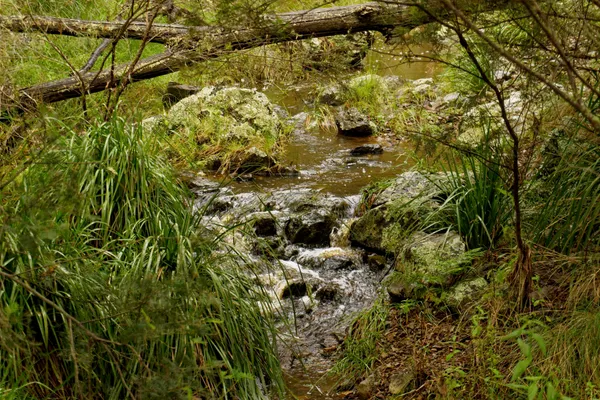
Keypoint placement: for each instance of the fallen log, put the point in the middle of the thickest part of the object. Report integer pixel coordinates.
(189, 45)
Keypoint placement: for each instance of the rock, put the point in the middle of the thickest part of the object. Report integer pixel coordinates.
(308, 303)
(366, 388)
(213, 163)
(422, 86)
(375, 82)
(366, 149)
(329, 291)
(376, 262)
(201, 185)
(177, 91)
(367, 231)
(156, 124)
(293, 288)
(280, 111)
(451, 98)
(229, 119)
(401, 383)
(396, 212)
(251, 160)
(330, 259)
(352, 122)
(312, 228)
(434, 259)
(409, 185)
(422, 81)
(465, 291)
(332, 96)
(264, 223)
(421, 89)
(501, 76)
(305, 200)
(399, 290)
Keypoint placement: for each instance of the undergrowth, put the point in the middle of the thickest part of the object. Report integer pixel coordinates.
(109, 291)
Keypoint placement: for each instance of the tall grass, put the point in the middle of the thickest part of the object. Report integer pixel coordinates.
(109, 292)
(360, 345)
(568, 219)
(477, 207)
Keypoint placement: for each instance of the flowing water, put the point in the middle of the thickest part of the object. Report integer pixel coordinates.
(322, 157)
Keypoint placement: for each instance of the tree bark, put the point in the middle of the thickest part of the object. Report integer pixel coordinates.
(189, 45)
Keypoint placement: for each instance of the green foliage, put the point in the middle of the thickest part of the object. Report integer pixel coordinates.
(527, 379)
(360, 345)
(569, 215)
(463, 76)
(574, 353)
(477, 207)
(102, 233)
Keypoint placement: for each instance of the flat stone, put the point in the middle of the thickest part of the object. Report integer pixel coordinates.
(400, 383)
(177, 91)
(365, 389)
(366, 149)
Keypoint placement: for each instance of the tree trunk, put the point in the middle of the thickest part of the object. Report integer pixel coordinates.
(190, 45)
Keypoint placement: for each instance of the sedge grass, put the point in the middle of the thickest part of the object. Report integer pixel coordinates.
(104, 233)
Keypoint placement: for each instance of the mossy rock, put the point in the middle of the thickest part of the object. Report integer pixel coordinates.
(465, 291)
(236, 129)
(435, 259)
(386, 228)
(367, 231)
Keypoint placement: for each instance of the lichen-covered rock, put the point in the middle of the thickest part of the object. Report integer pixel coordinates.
(434, 259)
(367, 231)
(396, 213)
(352, 122)
(400, 290)
(156, 124)
(401, 382)
(331, 95)
(366, 388)
(409, 185)
(465, 291)
(223, 120)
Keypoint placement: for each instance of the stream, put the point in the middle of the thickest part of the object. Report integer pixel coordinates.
(322, 282)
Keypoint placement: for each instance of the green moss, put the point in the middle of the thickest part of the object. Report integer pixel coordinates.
(231, 127)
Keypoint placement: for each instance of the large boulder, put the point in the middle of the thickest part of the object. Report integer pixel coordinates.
(352, 122)
(220, 122)
(395, 213)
